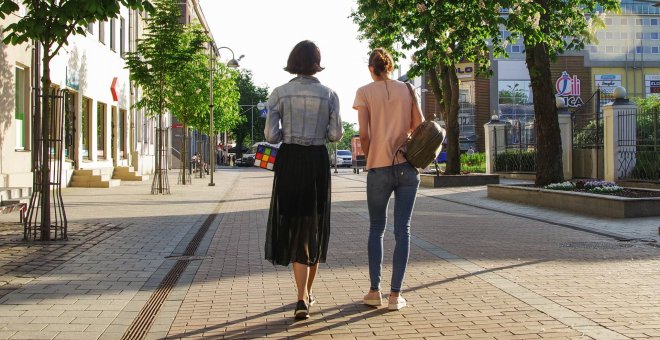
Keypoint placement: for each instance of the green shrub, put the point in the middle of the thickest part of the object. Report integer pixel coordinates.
(475, 162)
(647, 166)
(589, 135)
(517, 161)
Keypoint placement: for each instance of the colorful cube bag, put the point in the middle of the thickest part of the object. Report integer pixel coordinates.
(265, 157)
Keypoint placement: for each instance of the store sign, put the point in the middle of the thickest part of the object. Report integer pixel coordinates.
(568, 89)
(465, 71)
(652, 84)
(607, 82)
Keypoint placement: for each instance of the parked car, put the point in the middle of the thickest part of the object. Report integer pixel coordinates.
(341, 158)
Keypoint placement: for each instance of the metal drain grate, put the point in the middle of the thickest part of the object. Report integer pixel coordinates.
(596, 245)
(145, 319)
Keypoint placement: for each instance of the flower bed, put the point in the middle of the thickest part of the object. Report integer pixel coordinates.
(586, 197)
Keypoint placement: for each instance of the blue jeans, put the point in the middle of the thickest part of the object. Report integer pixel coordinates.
(403, 180)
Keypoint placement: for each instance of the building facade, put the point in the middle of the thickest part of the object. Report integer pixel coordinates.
(102, 130)
(627, 54)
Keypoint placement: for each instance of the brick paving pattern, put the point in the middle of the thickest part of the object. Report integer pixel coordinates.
(473, 273)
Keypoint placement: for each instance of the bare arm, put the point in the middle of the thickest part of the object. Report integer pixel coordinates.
(363, 120)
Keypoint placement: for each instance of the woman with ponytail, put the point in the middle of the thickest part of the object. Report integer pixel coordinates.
(387, 114)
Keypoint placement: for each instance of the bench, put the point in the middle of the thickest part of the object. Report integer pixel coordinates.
(11, 207)
(14, 199)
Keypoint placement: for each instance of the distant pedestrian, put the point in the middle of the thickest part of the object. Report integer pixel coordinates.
(298, 227)
(387, 113)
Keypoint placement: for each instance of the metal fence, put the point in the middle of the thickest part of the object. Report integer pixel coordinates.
(639, 145)
(587, 135)
(515, 151)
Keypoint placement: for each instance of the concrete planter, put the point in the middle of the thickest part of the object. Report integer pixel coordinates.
(447, 181)
(578, 202)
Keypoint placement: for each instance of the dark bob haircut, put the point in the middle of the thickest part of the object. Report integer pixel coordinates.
(305, 59)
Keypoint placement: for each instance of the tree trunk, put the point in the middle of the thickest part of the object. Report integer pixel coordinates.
(45, 147)
(451, 121)
(184, 156)
(549, 168)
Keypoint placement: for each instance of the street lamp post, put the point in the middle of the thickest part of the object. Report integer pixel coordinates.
(233, 63)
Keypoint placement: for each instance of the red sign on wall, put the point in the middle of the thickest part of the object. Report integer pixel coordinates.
(113, 89)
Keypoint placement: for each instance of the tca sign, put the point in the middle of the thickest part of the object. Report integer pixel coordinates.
(568, 89)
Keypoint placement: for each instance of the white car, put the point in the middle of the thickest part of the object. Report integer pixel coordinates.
(341, 158)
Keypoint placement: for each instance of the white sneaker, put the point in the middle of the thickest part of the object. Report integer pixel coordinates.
(396, 304)
(371, 300)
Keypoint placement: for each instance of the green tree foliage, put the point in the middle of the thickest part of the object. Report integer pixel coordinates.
(51, 23)
(226, 96)
(349, 132)
(186, 100)
(153, 67)
(250, 96)
(190, 79)
(440, 34)
(548, 29)
(159, 56)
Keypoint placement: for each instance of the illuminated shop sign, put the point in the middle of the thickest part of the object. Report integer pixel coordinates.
(652, 84)
(568, 89)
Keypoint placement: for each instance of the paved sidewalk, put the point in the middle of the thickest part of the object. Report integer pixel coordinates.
(474, 272)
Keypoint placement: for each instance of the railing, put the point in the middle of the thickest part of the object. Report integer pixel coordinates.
(518, 152)
(639, 145)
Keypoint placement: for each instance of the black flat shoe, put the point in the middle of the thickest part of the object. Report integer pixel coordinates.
(302, 310)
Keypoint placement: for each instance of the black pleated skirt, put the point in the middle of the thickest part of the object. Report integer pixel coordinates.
(298, 227)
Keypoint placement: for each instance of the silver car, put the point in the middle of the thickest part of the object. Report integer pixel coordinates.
(341, 158)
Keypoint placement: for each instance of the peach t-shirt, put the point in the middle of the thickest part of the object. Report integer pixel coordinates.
(391, 116)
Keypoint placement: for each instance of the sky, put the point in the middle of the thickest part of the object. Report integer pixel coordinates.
(265, 31)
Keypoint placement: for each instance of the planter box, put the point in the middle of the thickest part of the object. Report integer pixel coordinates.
(578, 202)
(447, 181)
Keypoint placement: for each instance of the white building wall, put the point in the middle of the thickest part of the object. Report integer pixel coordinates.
(15, 162)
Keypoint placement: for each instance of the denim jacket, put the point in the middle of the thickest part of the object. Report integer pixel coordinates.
(308, 112)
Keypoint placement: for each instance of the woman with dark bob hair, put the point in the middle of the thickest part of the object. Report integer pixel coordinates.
(303, 115)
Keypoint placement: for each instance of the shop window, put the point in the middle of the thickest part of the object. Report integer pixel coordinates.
(122, 134)
(655, 50)
(638, 50)
(654, 22)
(69, 125)
(85, 126)
(515, 49)
(516, 106)
(20, 96)
(654, 35)
(100, 130)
